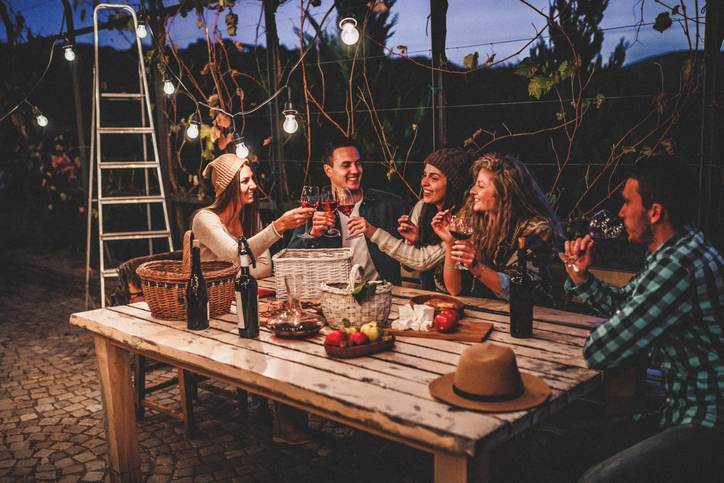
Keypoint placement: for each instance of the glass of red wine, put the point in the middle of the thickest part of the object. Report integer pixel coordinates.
(309, 199)
(345, 204)
(461, 228)
(328, 201)
(602, 226)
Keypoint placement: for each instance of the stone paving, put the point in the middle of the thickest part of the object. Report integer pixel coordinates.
(51, 415)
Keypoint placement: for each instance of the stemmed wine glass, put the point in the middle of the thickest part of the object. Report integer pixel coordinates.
(602, 226)
(309, 199)
(328, 201)
(461, 228)
(345, 204)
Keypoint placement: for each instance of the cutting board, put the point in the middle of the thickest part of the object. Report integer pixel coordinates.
(468, 331)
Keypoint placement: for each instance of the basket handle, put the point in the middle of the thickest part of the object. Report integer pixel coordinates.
(355, 274)
(188, 240)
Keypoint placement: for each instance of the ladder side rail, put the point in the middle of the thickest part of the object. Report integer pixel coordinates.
(97, 105)
(89, 206)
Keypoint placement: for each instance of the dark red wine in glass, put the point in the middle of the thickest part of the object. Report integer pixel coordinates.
(328, 202)
(309, 204)
(308, 199)
(346, 209)
(329, 205)
(461, 235)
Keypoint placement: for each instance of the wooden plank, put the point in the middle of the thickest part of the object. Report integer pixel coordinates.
(450, 468)
(427, 422)
(468, 331)
(114, 370)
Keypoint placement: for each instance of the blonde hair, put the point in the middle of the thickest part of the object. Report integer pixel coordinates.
(520, 209)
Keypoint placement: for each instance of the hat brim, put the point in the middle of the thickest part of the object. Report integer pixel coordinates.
(536, 392)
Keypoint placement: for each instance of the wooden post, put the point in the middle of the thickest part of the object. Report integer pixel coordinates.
(79, 125)
(114, 369)
(438, 32)
(272, 63)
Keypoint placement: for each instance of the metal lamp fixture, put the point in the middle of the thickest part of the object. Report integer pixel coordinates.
(349, 33)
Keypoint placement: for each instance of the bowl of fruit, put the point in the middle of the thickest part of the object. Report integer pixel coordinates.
(348, 342)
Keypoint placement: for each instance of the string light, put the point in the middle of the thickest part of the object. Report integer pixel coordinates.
(349, 33)
(68, 51)
(241, 149)
(40, 117)
(168, 87)
(141, 31)
(290, 125)
(192, 131)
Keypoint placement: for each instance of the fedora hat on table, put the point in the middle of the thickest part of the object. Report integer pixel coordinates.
(487, 379)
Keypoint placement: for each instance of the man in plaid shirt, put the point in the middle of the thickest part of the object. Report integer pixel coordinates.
(673, 311)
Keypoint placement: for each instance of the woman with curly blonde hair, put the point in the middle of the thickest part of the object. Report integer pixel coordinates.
(505, 203)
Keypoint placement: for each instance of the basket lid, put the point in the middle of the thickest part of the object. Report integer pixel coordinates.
(316, 254)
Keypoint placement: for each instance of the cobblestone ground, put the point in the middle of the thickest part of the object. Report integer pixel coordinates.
(51, 416)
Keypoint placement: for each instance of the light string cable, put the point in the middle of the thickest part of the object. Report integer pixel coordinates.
(276, 94)
(40, 79)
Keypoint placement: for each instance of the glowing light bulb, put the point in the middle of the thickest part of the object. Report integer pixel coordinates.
(41, 120)
(192, 131)
(141, 30)
(69, 53)
(349, 33)
(241, 150)
(168, 87)
(290, 125)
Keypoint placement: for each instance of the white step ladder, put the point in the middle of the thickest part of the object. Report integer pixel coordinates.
(101, 165)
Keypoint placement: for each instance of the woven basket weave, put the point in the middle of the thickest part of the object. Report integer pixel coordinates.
(164, 284)
(311, 267)
(338, 302)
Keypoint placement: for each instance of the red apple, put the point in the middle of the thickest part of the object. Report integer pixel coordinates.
(336, 338)
(359, 338)
(445, 321)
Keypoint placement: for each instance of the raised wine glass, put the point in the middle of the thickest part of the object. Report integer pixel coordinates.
(461, 228)
(602, 226)
(345, 204)
(328, 200)
(308, 199)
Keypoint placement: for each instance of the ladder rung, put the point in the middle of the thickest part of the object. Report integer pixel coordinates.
(121, 95)
(125, 130)
(127, 164)
(129, 200)
(134, 235)
(110, 272)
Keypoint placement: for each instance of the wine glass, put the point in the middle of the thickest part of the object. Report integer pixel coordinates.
(308, 199)
(461, 228)
(345, 204)
(602, 226)
(328, 200)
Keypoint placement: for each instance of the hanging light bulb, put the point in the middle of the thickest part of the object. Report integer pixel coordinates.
(39, 117)
(141, 30)
(290, 125)
(192, 131)
(168, 87)
(68, 51)
(241, 149)
(349, 33)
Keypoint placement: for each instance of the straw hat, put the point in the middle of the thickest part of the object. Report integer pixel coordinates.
(487, 379)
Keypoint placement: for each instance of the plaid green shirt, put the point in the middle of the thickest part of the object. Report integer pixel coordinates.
(672, 309)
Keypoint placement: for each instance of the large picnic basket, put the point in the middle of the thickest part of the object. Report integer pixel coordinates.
(164, 284)
(338, 303)
(310, 268)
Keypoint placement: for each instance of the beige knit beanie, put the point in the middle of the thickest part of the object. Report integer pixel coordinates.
(222, 171)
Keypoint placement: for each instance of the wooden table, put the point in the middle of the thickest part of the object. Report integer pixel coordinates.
(385, 394)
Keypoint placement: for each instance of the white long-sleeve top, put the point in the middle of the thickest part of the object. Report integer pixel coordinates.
(422, 258)
(218, 244)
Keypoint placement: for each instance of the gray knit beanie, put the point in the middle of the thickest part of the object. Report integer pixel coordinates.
(455, 164)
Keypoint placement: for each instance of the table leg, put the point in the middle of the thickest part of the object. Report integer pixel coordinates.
(114, 368)
(461, 469)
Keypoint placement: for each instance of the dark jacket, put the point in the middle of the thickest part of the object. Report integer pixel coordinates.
(382, 210)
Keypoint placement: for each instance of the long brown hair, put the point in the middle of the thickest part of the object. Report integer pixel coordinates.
(248, 215)
(520, 209)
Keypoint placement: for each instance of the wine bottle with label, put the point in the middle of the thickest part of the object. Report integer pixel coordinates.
(197, 299)
(521, 297)
(246, 291)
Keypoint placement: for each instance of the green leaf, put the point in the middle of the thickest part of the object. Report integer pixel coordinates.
(364, 292)
(598, 101)
(564, 70)
(470, 61)
(526, 68)
(538, 86)
(663, 22)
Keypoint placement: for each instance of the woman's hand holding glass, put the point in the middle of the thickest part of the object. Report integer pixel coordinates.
(464, 253)
(293, 218)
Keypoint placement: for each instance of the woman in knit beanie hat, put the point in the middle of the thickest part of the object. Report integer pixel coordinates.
(444, 183)
(235, 212)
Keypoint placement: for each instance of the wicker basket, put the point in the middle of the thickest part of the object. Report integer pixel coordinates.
(310, 267)
(164, 284)
(338, 302)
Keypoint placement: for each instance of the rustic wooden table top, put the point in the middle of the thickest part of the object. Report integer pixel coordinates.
(384, 393)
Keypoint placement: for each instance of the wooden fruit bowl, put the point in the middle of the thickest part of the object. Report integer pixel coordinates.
(349, 352)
